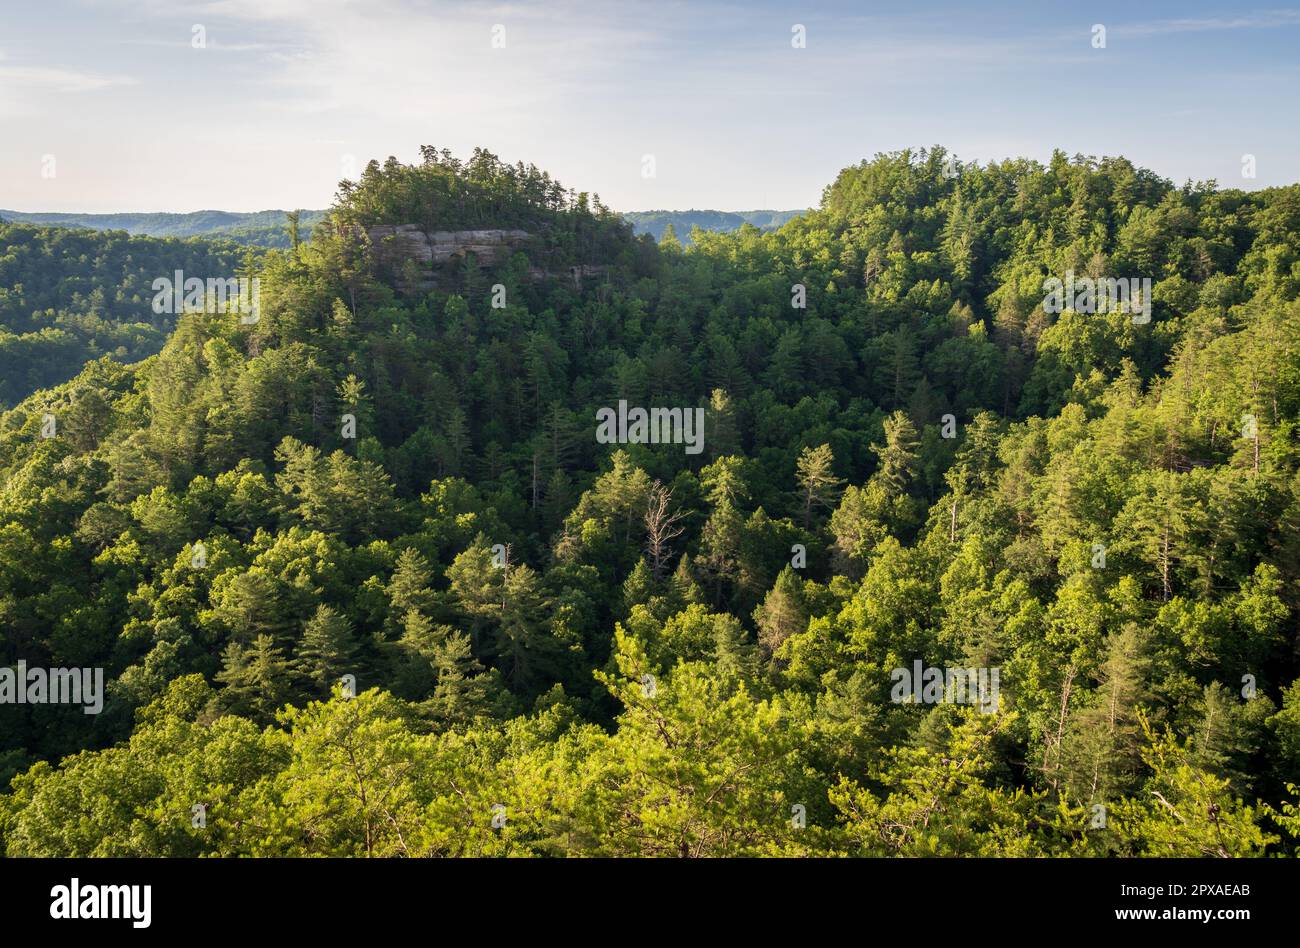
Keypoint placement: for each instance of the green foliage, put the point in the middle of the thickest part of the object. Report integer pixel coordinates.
(563, 647)
(256, 228)
(68, 297)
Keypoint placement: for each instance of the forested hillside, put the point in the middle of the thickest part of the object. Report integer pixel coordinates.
(567, 647)
(70, 296)
(255, 228)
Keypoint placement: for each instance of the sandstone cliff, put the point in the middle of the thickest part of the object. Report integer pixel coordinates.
(396, 244)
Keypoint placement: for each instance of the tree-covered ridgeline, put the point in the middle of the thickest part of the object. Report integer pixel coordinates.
(562, 647)
(656, 223)
(253, 228)
(267, 228)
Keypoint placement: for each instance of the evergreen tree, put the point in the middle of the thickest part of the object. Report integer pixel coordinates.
(1103, 747)
(818, 485)
(256, 678)
(782, 613)
(898, 454)
(326, 650)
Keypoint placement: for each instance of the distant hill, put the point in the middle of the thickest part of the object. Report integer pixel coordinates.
(71, 295)
(268, 229)
(654, 222)
(258, 228)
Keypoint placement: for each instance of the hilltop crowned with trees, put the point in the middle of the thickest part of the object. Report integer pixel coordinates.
(617, 644)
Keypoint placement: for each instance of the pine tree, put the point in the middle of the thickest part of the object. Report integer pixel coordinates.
(1185, 811)
(410, 586)
(898, 454)
(524, 649)
(819, 487)
(684, 587)
(463, 692)
(326, 650)
(719, 558)
(638, 588)
(1102, 750)
(720, 423)
(256, 678)
(734, 655)
(782, 613)
(858, 524)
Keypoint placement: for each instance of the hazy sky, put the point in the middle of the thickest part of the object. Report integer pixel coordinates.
(288, 94)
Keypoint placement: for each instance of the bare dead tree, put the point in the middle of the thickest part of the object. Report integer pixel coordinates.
(662, 527)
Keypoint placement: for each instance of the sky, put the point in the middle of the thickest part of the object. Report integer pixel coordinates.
(164, 105)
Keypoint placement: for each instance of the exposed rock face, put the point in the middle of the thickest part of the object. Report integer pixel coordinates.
(396, 244)
(408, 241)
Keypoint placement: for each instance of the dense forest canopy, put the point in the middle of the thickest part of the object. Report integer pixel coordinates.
(561, 646)
(70, 296)
(445, 193)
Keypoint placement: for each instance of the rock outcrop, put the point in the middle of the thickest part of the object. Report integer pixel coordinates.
(397, 242)
(396, 245)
